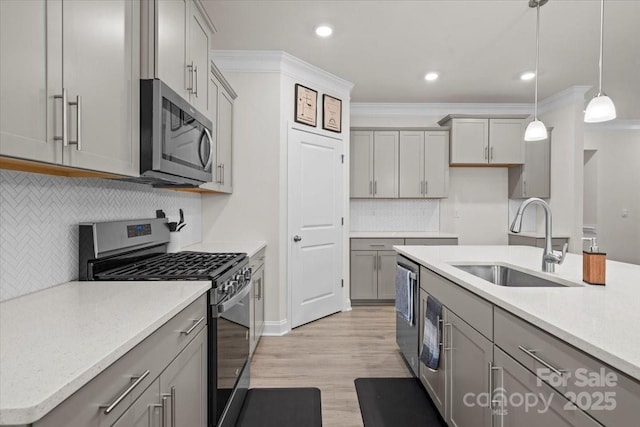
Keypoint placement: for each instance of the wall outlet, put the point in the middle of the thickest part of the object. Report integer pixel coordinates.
(625, 213)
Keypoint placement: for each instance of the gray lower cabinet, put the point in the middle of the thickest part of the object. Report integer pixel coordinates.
(434, 381)
(183, 385)
(163, 376)
(145, 411)
(487, 368)
(544, 406)
(469, 355)
(373, 266)
(257, 299)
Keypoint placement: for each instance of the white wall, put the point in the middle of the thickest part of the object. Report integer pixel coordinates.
(257, 209)
(618, 189)
(252, 212)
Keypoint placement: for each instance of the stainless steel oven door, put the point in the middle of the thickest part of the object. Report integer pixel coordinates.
(232, 358)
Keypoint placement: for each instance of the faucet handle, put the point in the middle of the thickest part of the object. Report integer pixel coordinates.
(557, 259)
(564, 252)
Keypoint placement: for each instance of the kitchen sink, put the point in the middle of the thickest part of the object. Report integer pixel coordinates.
(503, 275)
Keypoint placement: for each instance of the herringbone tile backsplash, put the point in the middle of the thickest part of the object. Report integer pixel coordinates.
(39, 217)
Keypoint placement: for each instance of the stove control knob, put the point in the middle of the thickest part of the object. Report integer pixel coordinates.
(229, 287)
(247, 273)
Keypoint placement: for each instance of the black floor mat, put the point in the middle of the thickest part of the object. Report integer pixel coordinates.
(394, 402)
(281, 407)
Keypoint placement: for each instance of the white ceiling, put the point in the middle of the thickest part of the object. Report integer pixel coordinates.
(479, 47)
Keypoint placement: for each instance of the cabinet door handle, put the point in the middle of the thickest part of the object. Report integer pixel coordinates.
(165, 398)
(370, 187)
(195, 81)
(375, 262)
(151, 415)
(491, 153)
(195, 325)
(486, 152)
(125, 393)
(65, 129)
(450, 338)
(524, 187)
(441, 330)
(421, 187)
(78, 141)
(426, 187)
(223, 177)
(532, 353)
(173, 407)
(375, 187)
(190, 68)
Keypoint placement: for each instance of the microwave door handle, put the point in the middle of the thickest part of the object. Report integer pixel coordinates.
(210, 161)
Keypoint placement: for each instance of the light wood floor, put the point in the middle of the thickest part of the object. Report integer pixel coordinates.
(329, 354)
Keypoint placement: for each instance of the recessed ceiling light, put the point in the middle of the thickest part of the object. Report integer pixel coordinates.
(527, 76)
(431, 76)
(324, 31)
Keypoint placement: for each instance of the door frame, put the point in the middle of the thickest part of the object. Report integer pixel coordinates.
(288, 232)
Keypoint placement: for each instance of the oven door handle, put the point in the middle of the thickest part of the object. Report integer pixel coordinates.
(224, 306)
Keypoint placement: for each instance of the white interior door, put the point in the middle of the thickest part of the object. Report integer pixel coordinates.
(315, 230)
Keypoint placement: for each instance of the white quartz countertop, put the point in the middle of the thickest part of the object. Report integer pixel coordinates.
(401, 235)
(600, 320)
(55, 341)
(250, 247)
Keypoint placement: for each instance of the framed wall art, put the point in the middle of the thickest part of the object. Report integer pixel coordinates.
(331, 113)
(306, 105)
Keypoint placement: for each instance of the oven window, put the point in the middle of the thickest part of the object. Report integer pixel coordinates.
(184, 140)
(232, 351)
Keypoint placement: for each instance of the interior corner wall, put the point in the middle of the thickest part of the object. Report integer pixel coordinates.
(252, 212)
(567, 166)
(618, 192)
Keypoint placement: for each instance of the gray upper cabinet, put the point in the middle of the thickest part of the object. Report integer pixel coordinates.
(176, 38)
(374, 164)
(101, 78)
(221, 99)
(424, 164)
(533, 178)
(30, 77)
(486, 141)
(52, 73)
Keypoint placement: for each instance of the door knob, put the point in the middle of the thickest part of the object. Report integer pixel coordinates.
(297, 238)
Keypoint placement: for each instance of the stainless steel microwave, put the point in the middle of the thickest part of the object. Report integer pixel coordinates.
(176, 146)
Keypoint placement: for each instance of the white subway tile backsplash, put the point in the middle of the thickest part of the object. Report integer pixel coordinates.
(39, 217)
(395, 215)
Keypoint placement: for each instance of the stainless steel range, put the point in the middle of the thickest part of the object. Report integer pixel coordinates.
(136, 250)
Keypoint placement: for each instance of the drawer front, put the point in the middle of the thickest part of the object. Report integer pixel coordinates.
(432, 241)
(375, 244)
(153, 354)
(257, 260)
(472, 309)
(511, 333)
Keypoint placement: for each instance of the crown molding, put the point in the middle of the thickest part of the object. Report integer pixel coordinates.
(276, 61)
(613, 125)
(572, 94)
(384, 109)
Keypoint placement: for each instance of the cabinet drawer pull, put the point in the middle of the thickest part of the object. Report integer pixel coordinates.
(195, 325)
(138, 380)
(532, 354)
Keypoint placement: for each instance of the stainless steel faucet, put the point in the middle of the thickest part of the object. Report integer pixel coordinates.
(549, 258)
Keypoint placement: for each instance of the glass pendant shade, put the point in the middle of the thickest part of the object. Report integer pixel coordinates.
(536, 131)
(600, 109)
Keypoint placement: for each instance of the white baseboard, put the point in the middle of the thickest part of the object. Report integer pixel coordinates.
(276, 328)
(347, 305)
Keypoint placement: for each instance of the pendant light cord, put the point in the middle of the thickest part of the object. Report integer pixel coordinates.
(535, 113)
(601, 44)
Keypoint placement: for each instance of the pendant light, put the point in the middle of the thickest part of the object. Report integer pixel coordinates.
(536, 131)
(600, 108)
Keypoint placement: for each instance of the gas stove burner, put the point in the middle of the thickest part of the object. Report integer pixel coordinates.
(175, 266)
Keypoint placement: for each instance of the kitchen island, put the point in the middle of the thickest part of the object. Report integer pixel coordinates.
(553, 328)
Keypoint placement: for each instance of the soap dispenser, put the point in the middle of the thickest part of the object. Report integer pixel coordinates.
(593, 263)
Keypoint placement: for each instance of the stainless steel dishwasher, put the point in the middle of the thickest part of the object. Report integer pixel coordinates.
(407, 334)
